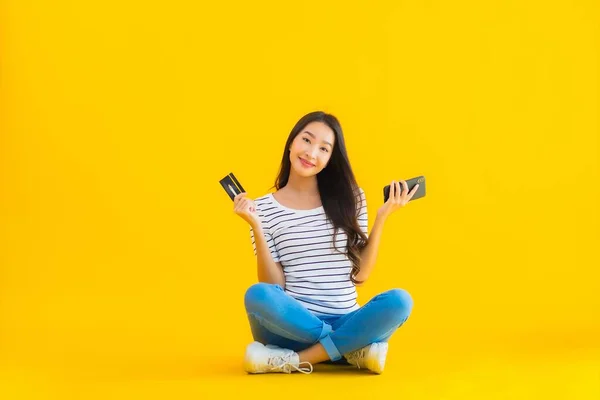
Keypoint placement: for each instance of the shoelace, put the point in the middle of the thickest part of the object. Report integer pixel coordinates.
(357, 355)
(283, 361)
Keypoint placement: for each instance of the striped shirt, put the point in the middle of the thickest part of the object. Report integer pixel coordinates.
(316, 274)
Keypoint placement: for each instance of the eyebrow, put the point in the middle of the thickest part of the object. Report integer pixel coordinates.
(324, 141)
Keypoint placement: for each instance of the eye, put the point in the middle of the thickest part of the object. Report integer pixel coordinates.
(308, 141)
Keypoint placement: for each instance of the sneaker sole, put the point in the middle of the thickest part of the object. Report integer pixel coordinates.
(376, 357)
(249, 362)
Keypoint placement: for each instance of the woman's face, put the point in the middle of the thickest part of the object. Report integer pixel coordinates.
(314, 144)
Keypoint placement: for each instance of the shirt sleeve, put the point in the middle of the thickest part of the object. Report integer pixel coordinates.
(362, 215)
(268, 237)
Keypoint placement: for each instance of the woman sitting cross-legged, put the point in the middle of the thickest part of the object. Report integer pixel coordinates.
(313, 247)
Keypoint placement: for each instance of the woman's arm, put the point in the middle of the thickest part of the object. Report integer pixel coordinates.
(369, 252)
(269, 271)
(398, 199)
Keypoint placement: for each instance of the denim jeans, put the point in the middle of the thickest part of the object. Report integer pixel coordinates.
(277, 318)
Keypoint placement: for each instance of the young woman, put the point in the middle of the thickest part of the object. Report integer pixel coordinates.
(312, 247)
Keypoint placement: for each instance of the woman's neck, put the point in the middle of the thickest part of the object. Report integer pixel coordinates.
(300, 185)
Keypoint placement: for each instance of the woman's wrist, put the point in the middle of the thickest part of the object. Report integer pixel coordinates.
(381, 216)
(256, 226)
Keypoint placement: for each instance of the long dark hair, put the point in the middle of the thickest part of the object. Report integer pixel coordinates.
(337, 187)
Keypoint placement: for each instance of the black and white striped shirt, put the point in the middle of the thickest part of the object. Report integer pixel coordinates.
(302, 241)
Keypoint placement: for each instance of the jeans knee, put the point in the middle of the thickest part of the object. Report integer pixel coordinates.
(400, 301)
(258, 295)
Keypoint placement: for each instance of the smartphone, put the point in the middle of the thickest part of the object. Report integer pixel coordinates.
(411, 184)
(231, 185)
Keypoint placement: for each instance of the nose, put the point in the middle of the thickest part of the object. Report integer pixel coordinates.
(312, 154)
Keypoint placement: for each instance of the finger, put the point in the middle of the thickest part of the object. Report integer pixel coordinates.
(413, 191)
(238, 196)
(240, 205)
(404, 189)
(398, 191)
(392, 191)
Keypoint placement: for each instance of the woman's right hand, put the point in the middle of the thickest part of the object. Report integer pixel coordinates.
(246, 208)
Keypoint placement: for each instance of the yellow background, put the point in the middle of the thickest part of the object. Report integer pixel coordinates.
(123, 266)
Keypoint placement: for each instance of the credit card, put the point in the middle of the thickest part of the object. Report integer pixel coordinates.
(231, 185)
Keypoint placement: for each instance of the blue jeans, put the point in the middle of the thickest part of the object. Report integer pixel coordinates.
(277, 318)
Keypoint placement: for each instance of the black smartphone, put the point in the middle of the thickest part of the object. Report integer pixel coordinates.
(411, 184)
(231, 185)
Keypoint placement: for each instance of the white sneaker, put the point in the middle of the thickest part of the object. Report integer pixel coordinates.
(371, 357)
(261, 359)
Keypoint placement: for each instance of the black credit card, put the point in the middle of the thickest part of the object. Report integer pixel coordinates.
(231, 185)
(411, 184)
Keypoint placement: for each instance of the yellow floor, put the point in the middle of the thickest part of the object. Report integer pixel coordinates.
(568, 374)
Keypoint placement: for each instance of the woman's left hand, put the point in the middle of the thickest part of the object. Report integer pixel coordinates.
(397, 199)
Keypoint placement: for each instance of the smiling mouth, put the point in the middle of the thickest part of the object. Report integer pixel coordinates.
(306, 163)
